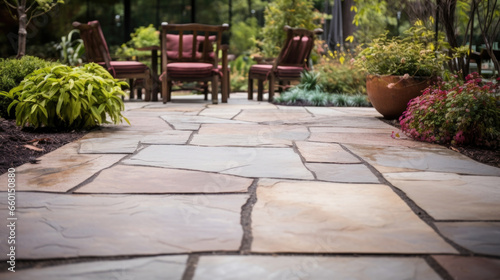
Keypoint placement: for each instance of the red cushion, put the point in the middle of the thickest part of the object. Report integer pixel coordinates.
(189, 70)
(187, 46)
(126, 67)
(283, 71)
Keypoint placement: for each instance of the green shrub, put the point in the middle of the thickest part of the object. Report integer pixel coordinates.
(294, 13)
(456, 113)
(239, 73)
(12, 72)
(338, 75)
(309, 93)
(65, 97)
(143, 36)
(71, 51)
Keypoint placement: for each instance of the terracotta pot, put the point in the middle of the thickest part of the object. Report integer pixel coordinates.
(392, 102)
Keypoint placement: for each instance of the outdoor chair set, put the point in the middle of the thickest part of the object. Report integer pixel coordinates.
(189, 53)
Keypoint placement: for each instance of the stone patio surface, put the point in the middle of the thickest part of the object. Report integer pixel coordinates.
(251, 190)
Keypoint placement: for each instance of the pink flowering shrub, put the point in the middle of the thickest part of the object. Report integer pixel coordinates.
(457, 113)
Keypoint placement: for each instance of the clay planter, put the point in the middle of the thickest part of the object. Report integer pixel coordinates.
(391, 102)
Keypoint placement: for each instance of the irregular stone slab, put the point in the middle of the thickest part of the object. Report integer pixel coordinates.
(274, 115)
(164, 267)
(178, 107)
(311, 267)
(319, 217)
(110, 145)
(479, 237)
(324, 111)
(470, 268)
(246, 162)
(325, 152)
(64, 226)
(167, 137)
(249, 135)
(141, 179)
(60, 170)
(360, 111)
(221, 112)
(344, 173)
(342, 121)
(449, 196)
(364, 136)
(185, 122)
(435, 159)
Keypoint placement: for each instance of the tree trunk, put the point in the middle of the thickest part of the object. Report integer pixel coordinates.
(23, 22)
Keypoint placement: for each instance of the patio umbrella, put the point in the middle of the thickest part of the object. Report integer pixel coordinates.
(335, 35)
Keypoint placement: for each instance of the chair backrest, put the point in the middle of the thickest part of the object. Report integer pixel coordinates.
(297, 48)
(191, 42)
(96, 48)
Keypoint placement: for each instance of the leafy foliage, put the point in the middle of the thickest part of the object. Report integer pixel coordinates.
(402, 55)
(12, 72)
(62, 96)
(71, 51)
(294, 13)
(456, 113)
(143, 36)
(310, 92)
(239, 72)
(244, 36)
(338, 75)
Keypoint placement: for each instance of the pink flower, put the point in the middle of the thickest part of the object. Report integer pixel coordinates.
(406, 76)
(391, 85)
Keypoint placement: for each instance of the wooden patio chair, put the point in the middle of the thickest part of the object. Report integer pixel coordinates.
(189, 54)
(287, 67)
(97, 51)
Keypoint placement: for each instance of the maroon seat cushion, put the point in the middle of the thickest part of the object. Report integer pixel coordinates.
(126, 67)
(187, 46)
(190, 70)
(283, 71)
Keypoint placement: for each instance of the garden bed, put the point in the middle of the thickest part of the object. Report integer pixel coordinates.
(21, 146)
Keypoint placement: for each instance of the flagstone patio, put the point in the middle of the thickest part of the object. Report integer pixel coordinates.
(251, 190)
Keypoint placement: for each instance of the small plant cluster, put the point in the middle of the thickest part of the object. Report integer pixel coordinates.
(64, 97)
(239, 72)
(456, 113)
(338, 75)
(12, 72)
(310, 93)
(412, 55)
(143, 36)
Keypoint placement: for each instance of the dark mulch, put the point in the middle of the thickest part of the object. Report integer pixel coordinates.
(21, 146)
(480, 154)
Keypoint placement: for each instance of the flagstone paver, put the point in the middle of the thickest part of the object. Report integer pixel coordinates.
(270, 116)
(341, 121)
(113, 225)
(186, 122)
(223, 113)
(155, 268)
(364, 136)
(249, 135)
(60, 170)
(435, 159)
(449, 196)
(345, 173)
(319, 217)
(241, 161)
(308, 267)
(325, 152)
(141, 179)
(479, 237)
(470, 268)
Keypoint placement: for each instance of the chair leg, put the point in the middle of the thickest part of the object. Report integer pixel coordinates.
(271, 87)
(164, 89)
(169, 91)
(260, 89)
(205, 90)
(224, 89)
(149, 86)
(215, 90)
(250, 89)
(228, 84)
